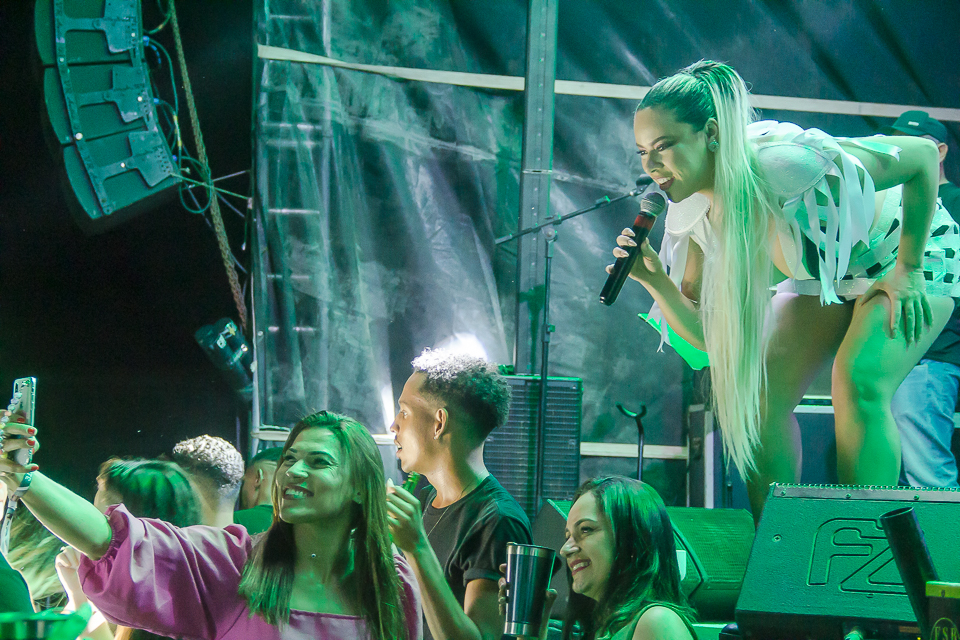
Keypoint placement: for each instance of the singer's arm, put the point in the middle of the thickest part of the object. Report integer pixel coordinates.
(680, 307)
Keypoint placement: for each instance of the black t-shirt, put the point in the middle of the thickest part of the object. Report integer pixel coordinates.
(946, 348)
(470, 536)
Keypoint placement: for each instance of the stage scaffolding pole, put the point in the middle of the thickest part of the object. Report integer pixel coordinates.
(536, 167)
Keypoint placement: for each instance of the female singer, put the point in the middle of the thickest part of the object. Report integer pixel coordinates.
(868, 285)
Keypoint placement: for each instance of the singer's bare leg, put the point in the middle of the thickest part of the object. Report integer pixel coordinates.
(805, 338)
(869, 368)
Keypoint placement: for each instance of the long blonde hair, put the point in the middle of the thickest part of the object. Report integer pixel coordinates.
(735, 296)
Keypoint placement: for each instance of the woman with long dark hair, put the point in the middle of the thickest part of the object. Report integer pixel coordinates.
(622, 565)
(861, 280)
(325, 568)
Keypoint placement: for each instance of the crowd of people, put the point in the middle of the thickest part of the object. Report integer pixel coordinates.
(324, 547)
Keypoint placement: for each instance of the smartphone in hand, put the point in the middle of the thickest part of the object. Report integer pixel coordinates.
(23, 403)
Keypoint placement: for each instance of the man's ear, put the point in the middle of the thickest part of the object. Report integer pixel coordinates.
(942, 146)
(441, 420)
(259, 479)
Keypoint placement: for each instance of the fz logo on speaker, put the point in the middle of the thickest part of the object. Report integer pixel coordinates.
(852, 554)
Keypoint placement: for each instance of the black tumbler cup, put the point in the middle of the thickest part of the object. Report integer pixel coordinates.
(529, 568)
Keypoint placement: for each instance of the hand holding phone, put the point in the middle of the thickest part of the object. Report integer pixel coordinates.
(22, 404)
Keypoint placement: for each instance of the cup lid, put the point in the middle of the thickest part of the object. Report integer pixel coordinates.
(515, 548)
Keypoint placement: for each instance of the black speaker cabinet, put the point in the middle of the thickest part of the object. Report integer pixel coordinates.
(820, 562)
(100, 109)
(717, 542)
(510, 452)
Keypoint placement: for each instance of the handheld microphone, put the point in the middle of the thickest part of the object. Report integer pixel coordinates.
(651, 206)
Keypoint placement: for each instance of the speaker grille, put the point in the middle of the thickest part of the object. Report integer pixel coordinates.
(510, 452)
(717, 542)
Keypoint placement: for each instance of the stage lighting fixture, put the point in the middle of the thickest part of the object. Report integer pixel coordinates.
(228, 350)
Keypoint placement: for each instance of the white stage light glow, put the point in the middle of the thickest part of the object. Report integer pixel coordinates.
(465, 343)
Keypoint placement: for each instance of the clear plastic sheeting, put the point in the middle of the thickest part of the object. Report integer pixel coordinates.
(378, 200)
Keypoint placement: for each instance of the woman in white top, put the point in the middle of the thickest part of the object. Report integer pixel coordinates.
(871, 288)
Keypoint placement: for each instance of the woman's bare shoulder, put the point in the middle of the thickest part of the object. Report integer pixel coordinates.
(661, 623)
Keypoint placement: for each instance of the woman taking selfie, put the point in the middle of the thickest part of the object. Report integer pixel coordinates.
(325, 568)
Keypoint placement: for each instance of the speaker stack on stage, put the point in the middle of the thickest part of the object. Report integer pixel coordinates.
(510, 452)
(101, 109)
(821, 565)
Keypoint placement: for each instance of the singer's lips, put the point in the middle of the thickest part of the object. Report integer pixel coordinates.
(664, 183)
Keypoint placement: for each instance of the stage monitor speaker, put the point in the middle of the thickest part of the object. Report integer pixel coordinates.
(101, 110)
(510, 452)
(717, 545)
(821, 564)
(717, 542)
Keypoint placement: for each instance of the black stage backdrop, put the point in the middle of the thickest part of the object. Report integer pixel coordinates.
(381, 197)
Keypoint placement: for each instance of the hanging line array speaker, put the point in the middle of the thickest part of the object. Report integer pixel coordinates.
(101, 110)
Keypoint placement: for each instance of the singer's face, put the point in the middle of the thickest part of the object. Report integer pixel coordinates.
(313, 479)
(589, 548)
(414, 425)
(674, 154)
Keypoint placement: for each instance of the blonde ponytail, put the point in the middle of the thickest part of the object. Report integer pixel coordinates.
(735, 297)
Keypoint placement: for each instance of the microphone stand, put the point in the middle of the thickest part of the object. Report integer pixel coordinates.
(638, 418)
(550, 230)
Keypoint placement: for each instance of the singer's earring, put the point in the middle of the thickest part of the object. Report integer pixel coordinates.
(713, 146)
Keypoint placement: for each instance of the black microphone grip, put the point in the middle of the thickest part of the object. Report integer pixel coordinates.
(621, 268)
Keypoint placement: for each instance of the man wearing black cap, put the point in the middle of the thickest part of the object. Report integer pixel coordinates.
(924, 404)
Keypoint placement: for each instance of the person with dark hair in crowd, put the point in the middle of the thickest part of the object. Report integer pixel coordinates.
(457, 540)
(622, 561)
(256, 500)
(147, 489)
(621, 566)
(216, 469)
(924, 404)
(325, 569)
